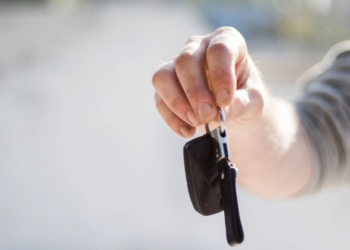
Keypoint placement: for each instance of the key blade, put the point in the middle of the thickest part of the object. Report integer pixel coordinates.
(222, 149)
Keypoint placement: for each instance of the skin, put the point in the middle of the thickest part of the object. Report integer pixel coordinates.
(267, 142)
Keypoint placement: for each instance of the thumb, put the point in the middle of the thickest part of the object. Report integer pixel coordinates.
(247, 105)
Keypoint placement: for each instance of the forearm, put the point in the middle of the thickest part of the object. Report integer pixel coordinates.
(272, 154)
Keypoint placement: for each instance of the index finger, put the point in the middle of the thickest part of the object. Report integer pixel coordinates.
(227, 63)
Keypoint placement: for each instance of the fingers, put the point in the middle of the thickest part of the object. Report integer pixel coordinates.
(210, 71)
(170, 91)
(227, 63)
(190, 70)
(173, 121)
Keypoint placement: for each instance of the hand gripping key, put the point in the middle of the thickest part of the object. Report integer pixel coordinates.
(211, 179)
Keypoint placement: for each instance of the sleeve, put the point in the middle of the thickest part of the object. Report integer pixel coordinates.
(324, 112)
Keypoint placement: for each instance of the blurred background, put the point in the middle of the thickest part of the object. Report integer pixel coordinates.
(85, 160)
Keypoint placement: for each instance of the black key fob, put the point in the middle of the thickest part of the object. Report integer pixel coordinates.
(211, 179)
(202, 175)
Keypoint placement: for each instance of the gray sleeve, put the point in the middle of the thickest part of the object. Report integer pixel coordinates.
(324, 111)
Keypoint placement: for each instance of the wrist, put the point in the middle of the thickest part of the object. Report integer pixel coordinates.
(270, 151)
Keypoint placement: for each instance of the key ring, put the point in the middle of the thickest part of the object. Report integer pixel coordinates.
(222, 122)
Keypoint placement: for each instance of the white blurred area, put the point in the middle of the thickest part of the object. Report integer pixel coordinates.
(87, 163)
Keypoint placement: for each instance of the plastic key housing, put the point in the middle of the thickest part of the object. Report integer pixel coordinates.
(202, 175)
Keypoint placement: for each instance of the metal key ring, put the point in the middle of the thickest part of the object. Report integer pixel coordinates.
(223, 119)
(222, 122)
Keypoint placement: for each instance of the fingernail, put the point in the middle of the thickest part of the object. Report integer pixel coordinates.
(204, 109)
(184, 130)
(221, 95)
(192, 117)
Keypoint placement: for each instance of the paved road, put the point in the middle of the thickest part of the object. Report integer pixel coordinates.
(85, 160)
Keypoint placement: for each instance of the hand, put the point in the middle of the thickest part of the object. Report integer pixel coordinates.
(266, 140)
(213, 70)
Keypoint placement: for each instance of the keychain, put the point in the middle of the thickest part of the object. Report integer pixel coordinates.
(211, 178)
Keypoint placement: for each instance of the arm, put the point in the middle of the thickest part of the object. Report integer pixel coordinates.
(267, 142)
(273, 154)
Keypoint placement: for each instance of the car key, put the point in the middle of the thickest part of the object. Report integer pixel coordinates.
(202, 175)
(202, 172)
(211, 179)
(228, 174)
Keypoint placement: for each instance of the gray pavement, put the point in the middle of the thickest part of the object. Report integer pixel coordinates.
(87, 163)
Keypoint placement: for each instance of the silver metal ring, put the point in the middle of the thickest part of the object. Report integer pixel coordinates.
(223, 119)
(222, 122)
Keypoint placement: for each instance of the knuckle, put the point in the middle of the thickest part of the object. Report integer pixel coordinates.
(187, 58)
(181, 61)
(195, 93)
(175, 103)
(194, 39)
(229, 37)
(239, 108)
(161, 76)
(218, 47)
(192, 91)
(184, 59)
(257, 98)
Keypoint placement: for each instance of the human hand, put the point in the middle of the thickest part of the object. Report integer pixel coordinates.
(213, 70)
(266, 139)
